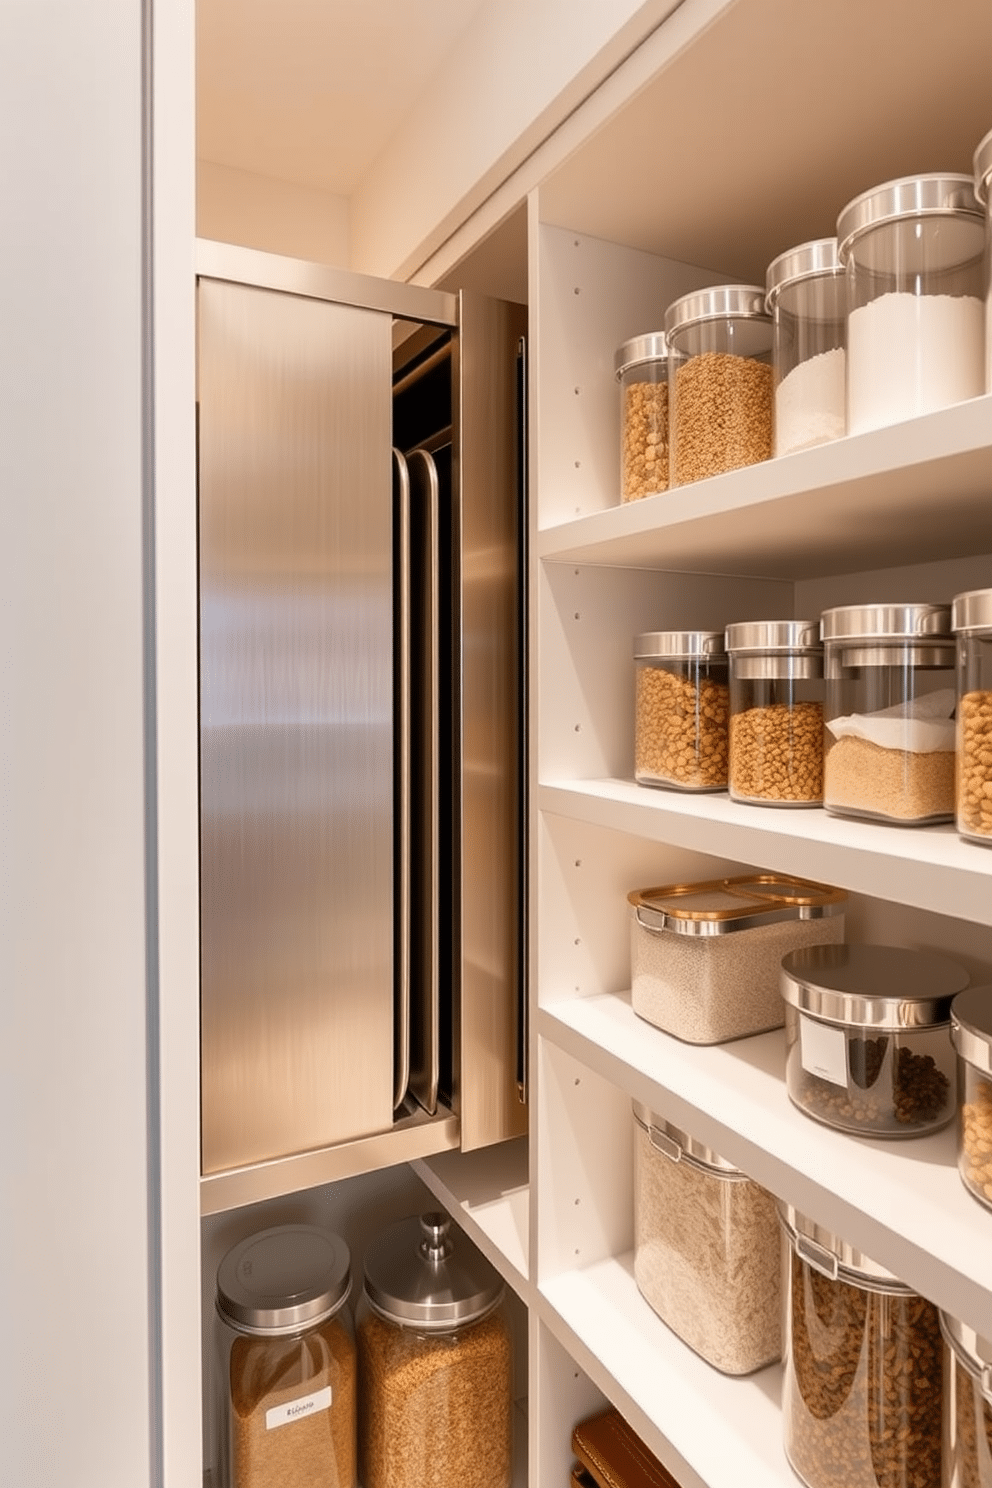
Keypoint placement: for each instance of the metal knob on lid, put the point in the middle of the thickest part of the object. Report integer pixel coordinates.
(422, 1273)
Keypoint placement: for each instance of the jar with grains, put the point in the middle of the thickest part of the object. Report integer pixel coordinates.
(642, 372)
(286, 1384)
(434, 1363)
(889, 735)
(681, 709)
(971, 1035)
(707, 1248)
(776, 713)
(807, 299)
(706, 957)
(912, 249)
(862, 1391)
(720, 381)
(971, 621)
(868, 1037)
(967, 1406)
(983, 192)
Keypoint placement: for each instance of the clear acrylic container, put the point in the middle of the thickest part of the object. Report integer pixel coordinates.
(868, 1037)
(983, 191)
(642, 372)
(720, 381)
(862, 1389)
(971, 1035)
(913, 252)
(707, 1248)
(971, 621)
(681, 709)
(705, 958)
(807, 298)
(967, 1406)
(889, 738)
(776, 712)
(286, 1376)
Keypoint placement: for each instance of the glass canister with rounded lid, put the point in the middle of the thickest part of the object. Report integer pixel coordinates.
(971, 621)
(707, 1247)
(889, 736)
(868, 1037)
(913, 251)
(971, 1035)
(682, 703)
(983, 192)
(807, 298)
(967, 1405)
(287, 1368)
(862, 1388)
(720, 381)
(776, 712)
(642, 372)
(435, 1362)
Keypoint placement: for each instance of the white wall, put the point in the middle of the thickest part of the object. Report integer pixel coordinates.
(236, 206)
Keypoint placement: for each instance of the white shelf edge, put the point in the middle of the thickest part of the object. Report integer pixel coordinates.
(902, 1202)
(945, 874)
(487, 1193)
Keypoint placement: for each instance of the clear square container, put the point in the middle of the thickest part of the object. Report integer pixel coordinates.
(967, 1406)
(681, 707)
(971, 621)
(642, 372)
(971, 1035)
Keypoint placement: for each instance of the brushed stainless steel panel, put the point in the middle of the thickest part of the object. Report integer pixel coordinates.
(296, 696)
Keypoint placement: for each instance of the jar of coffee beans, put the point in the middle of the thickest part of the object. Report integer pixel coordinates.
(776, 712)
(971, 621)
(967, 1405)
(681, 710)
(971, 1035)
(642, 372)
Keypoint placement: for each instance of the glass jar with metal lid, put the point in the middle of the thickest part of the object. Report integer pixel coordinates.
(434, 1360)
(967, 1405)
(642, 372)
(867, 1037)
(706, 957)
(971, 621)
(983, 192)
(806, 295)
(720, 381)
(971, 1035)
(913, 251)
(776, 712)
(287, 1370)
(889, 737)
(862, 1386)
(681, 709)
(707, 1247)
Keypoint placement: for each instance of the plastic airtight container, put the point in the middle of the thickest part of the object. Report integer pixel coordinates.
(707, 1248)
(287, 1371)
(971, 621)
(776, 712)
(681, 709)
(967, 1405)
(706, 957)
(971, 1035)
(862, 1386)
(435, 1362)
(807, 298)
(913, 251)
(868, 1037)
(720, 381)
(983, 191)
(889, 738)
(642, 372)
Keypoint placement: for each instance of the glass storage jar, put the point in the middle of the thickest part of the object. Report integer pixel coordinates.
(705, 958)
(642, 372)
(983, 191)
(434, 1362)
(967, 1406)
(971, 621)
(807, 299)
(720, 381)
(867, 1037)
(776, 712)
(287, 1373)
(913, 251)
(707, 1248)
(889, 734)
(971, 1035)
(681, 707)
(862, 1386)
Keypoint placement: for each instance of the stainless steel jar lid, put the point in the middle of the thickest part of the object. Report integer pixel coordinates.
(651, 347)
(815, 260)
(419, 1274)
(724, 302)
(680, 645)
(887, 622)
(971, 613)
(971, 1027)
(722, 906)
(678, 1146)
(835, 1257)
(774, 635)
(973, 1352)
(983, 168)
(934, 195)
(872, 986)
(283, 1280)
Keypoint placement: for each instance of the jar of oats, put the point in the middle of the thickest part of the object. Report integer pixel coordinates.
(862, 1391)
(681, 710)
(720, 381)
(967, 1405)
(776, 712)
(434, 1362)
(971, 1035)
(642, 372)
(971, 621)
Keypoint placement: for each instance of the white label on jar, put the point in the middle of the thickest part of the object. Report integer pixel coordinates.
(823, 1050)
(293, 1410)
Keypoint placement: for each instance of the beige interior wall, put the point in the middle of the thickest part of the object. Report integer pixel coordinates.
(234, 206)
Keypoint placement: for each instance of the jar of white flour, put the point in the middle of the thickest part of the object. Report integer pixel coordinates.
(807, 298)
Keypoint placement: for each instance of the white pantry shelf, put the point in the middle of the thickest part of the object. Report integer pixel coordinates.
(487, 1193)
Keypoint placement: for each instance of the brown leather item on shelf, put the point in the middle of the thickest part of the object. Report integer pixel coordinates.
(615, 1457)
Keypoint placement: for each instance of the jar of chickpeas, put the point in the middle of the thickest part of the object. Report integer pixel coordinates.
(642, 372)
(682, 706)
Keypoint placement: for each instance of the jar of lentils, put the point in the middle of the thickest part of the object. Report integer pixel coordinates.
(776, 712)
(967, 1405)
(971, 621)
(807, 297)
(971, 1035)
(642, 372)
(983, 191)
(681, 710)
(720, 381)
